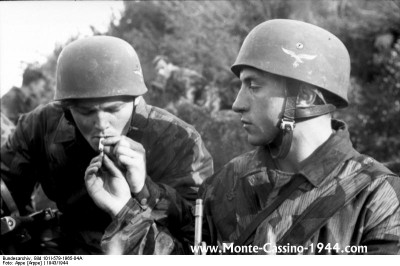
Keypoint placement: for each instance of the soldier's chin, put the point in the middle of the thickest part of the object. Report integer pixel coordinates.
(259, 140)
(94, 143)
(94, 146)
(254, 141)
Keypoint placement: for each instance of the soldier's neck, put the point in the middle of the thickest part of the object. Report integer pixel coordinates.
(307, 137)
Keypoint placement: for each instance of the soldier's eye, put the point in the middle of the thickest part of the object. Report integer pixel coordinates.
(114, 109)
(83, 111)
(254, 88)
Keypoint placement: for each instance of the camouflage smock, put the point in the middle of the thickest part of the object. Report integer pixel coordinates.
(7, 128)
(250, 182)
(47, 148)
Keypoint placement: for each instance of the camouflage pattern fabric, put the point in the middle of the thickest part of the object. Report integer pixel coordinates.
(250, 182)
(7, 128)
(49, 149)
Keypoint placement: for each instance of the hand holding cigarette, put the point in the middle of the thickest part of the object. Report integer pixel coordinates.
(130, 157)
(118, 170)
(106, 184)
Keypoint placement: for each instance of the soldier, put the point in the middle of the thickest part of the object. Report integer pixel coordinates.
(98, 133)
(22, 100)
(304, 189)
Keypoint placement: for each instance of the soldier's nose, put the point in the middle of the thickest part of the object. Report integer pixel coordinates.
(240, 105)
(101, 122)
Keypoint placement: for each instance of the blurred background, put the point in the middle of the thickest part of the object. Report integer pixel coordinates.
(186, 50)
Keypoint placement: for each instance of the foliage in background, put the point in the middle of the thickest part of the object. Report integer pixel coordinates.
(205, 36)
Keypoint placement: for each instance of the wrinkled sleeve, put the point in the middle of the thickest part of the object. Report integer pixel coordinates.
(159, 219)
(17, 163)
(382, 220)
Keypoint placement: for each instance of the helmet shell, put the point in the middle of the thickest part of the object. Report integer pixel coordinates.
(98, 66)
(300, 51)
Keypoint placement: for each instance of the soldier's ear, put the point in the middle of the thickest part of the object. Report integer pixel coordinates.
(306, 96)
(69, 117)
(66, 105)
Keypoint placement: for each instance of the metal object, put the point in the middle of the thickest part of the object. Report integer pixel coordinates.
(287, 125)
(198, 227)
(299, 51)
(8, 224)
(98, 66)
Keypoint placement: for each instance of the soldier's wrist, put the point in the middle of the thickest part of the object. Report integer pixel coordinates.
(114, 210)
(142, 195)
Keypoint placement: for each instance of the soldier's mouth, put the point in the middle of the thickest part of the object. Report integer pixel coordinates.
(102, 136)
(245, 122)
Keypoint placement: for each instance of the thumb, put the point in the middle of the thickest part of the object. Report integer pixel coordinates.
(111, 167)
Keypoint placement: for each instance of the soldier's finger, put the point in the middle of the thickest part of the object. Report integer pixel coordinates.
(122, 147)
(109, 144)
(97, 164)
(128, 142)
(127, 161)
(135, 162)
(111, 140)
(98, 158)
(91, 171)
(111, 167)
(121, 150)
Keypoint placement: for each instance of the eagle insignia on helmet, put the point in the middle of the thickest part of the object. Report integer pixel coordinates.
(139, 72)
(298, 57)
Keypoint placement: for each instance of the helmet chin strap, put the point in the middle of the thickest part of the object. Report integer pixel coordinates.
(280, 147)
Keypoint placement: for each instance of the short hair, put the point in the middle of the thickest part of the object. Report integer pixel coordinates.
(30, 75)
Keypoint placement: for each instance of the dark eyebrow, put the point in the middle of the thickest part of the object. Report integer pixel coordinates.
(91, 107)
(250, 77)
(83, 107)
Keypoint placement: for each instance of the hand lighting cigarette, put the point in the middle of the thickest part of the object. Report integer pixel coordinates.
(101, 147)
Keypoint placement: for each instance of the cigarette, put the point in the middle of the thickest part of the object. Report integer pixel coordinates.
(101, 147)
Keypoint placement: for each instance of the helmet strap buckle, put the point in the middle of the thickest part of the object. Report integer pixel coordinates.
(287, 124)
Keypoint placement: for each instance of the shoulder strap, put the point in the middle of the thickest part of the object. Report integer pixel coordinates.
(329, 203)
(245, 237)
